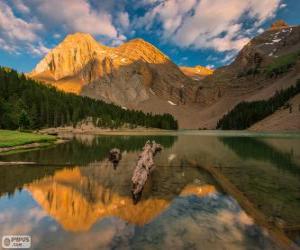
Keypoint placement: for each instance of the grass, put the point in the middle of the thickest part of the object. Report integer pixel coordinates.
(282, 64)
(11, 138)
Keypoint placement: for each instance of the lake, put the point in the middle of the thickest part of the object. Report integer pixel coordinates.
(73, 198)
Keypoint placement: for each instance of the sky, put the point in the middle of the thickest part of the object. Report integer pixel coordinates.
(190, 32)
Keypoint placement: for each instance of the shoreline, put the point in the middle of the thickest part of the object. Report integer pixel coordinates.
(103, 131)
(30, 146)
(63, 135)
(144, 131)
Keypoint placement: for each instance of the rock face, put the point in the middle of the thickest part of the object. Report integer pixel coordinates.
(196, 73)
(126, 75)
(69, 57)
(260, 52)
(279, 24)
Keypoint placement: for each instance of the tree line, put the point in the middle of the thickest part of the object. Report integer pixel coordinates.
(28, 104)
(245, 114)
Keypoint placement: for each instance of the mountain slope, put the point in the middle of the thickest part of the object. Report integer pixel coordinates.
(252, 75)
(196, 73)
(126, 75)
(137, 75)
(26, 103)
(285, 119)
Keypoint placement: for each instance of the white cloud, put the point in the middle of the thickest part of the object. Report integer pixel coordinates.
(124, 20)
(7, 47)
(260, 30)
(14, 28)
(283, 5)
(215, 24)
(169, 13)
(19, 4)
(57, 35)
(117, 41)
(229, 57)
(19, 36)
(39, 50)
(212, 58)
(77, 15)
(210, 66)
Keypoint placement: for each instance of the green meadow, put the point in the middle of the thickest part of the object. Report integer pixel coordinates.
(11, 138)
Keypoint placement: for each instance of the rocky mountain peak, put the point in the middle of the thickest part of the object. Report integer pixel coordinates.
(126, 75)
(280, 39)
(139, 49)
(79, 36)
(196, 73)
(279, 24)
(69, 56)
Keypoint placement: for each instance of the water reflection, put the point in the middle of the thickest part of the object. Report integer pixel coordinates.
(83, 149)
(270, 177)
(257, 149)
(190, 222)
(78, 197)
(88, 204)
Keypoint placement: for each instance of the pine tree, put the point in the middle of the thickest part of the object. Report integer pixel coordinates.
(24, 121)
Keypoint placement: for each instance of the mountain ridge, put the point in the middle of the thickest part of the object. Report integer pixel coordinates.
(126, 75)
(136, 75)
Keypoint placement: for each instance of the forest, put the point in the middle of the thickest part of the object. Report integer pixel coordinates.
(28, 104)
(245, 114)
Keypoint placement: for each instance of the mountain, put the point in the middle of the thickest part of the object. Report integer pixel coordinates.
(126, 75)
(285, 119)
(136, 75)
(196, 73)
(268, 63)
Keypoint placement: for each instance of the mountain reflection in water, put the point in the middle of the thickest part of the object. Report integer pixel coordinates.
(88, 204)
(78, 197)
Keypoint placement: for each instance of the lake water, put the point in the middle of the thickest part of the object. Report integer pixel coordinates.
(73, 198)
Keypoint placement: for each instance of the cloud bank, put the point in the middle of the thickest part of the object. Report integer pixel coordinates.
(34, 26)
(215, 24)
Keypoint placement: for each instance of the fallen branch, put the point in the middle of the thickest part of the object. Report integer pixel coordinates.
(144, 167)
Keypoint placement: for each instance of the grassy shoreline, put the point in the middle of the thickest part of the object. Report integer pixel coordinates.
(11, 138)
(14, 141)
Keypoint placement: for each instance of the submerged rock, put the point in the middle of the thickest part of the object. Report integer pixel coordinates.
(115, 156)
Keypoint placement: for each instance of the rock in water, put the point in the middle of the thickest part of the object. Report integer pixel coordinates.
(115, 156)
(144, 167)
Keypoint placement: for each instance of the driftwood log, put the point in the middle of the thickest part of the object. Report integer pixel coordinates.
(115, 156)
(144, 167)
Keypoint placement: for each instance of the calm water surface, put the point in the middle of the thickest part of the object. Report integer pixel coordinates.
(75, 199)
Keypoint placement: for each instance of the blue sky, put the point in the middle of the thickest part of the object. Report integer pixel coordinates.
(190, 32)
